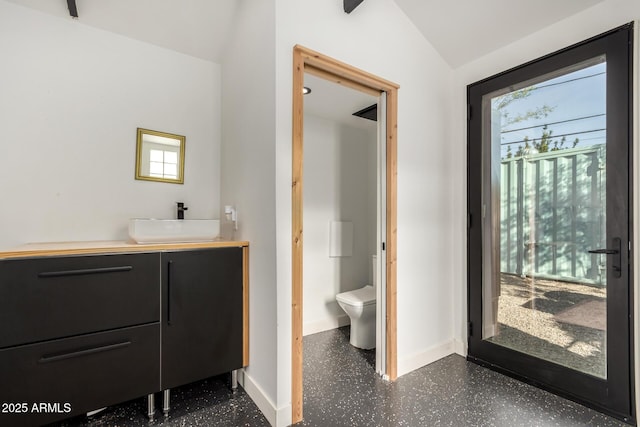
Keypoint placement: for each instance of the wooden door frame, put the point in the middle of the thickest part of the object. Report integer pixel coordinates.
(307, 60)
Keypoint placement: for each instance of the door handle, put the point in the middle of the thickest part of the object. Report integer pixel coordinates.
(616, 262)
(169, 264)
(604, 251)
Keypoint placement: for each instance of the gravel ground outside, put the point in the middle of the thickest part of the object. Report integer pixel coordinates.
(557, 321)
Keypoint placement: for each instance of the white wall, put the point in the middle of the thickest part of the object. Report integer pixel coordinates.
(72, 98)
(380, 39)
(339, 185)
(248, 180)
(591, 22)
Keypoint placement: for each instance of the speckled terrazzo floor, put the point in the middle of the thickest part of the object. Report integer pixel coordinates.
(205, 403)
(342, 389)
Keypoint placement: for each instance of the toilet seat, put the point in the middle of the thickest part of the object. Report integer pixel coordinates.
(359, 297)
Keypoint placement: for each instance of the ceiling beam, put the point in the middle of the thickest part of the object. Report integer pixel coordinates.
(73, 9)
(349, 5)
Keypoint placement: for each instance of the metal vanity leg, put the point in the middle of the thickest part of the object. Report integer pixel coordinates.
(151, 406)
(165, 402)
(234, 380)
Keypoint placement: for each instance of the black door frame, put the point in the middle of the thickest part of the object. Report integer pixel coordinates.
(614, 396)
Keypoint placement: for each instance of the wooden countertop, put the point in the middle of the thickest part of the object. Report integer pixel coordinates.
(108, 246)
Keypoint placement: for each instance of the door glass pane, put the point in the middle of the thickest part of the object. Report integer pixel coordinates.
(544, 177)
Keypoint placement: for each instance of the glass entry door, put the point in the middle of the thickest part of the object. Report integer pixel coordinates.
(549, 238)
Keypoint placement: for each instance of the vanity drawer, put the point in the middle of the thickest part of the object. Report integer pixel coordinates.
(76, 375)
(57, 297)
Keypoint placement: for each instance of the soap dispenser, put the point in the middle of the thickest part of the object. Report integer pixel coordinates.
(228, 224)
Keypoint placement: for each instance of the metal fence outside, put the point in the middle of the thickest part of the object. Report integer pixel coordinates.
(552, 211)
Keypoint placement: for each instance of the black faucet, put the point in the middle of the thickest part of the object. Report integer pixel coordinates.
(181, 209)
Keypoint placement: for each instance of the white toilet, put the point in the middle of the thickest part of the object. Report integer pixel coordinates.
(360, 306)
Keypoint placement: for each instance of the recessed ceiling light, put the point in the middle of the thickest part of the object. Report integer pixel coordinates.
(306, 90)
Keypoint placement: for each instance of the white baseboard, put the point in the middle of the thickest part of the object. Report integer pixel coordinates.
(459, 347)
(283, 416)
(276, 417)
(425, 357)
(325, 324)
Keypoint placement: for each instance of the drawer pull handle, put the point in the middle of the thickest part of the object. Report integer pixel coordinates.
(85, 271)
(86, 352)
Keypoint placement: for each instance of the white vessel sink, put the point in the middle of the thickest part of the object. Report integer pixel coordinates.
(149, 230)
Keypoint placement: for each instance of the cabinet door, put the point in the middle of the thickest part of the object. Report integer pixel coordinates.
(201, 314)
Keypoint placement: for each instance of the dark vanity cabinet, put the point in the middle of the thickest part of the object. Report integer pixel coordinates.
(76, 333)
(202, 314)
(81, 332)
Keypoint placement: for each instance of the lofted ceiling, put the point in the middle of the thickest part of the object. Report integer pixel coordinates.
(194, 27)
(461, 30)
(464, 30)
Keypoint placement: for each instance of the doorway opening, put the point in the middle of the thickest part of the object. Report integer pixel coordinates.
(318, 65)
